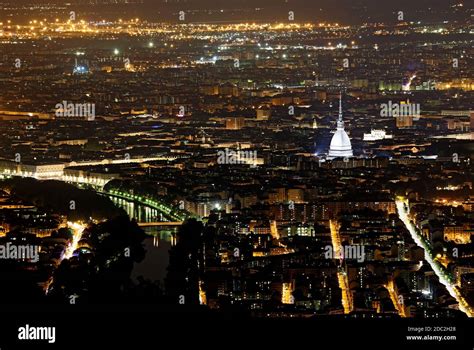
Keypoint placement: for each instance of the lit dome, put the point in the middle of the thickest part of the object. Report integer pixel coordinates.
(341, 146)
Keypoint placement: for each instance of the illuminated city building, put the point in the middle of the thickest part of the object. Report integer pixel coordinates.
(341, 146)
(376, 135)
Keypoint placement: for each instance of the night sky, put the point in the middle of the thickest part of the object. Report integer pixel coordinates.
(372, 6)
(344, 11)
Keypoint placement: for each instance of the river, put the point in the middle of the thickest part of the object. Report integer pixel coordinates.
(157, 243)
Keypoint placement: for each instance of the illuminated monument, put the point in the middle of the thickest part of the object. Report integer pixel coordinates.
(340, 144)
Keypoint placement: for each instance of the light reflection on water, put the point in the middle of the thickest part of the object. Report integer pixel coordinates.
(137, 211)
(157, 246)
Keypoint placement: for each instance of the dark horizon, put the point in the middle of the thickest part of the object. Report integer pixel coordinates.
(344, 11)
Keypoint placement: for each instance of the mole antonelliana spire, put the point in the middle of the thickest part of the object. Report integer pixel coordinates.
(341, 146)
